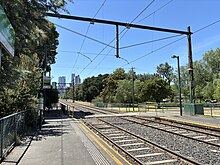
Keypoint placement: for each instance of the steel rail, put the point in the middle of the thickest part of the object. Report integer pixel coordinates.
(154, 144)
(97, 109)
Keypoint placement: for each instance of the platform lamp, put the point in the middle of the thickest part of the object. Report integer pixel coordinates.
(180, 98)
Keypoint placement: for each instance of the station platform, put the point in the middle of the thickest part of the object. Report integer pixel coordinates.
(201, 120)
(64, 141)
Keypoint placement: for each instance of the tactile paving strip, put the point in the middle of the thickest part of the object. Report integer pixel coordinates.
(91, 148)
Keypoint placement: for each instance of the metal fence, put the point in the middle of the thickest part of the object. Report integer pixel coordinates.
(11, 127)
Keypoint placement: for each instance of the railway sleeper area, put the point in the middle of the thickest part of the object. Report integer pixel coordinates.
(136, 148)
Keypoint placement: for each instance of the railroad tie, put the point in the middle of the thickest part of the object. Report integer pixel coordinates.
(118, 137)
(173, 129)
(125, 140)
(138, 149)
(149, 155)
(200, 136)
(180, 131)
(162, 161)
(189, 134)
(209, 140)
(115, 134)
(131, 144)
(107, 132)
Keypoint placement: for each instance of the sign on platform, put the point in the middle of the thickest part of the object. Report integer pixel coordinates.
(47, 82)
(7, 33)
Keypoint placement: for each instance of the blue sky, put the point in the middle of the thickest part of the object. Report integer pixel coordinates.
(177, 14)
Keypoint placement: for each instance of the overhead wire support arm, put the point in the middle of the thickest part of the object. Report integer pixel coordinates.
(116, 23)
(117, 42)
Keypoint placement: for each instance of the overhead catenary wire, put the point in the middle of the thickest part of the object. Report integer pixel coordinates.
(89, 53)
(142, 11)
(120, 34)
(166, 45)
(84, 39)
(85, 56)
(84, 36)
(151, 41)
(199, 30)
(136, 18)
(172, 42)
(80, 48)
(124, 58)
(155, 11)
(203, 28)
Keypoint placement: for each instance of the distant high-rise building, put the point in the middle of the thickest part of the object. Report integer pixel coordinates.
(54, 85)
(75, 79)
(61, 84)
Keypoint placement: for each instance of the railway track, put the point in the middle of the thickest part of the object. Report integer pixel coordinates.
(203, 151)
(174, 142)
(204, 135)
(139, 149)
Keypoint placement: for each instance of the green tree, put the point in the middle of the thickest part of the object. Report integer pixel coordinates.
(211, 60)
(155, 90)
(79, 92)
(216, 93)
(92, 87)
(209, 90)
(123, 91)
(110, 84)
(51, 96)
(165, 71)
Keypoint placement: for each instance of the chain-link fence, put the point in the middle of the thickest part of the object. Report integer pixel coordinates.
(12, 127)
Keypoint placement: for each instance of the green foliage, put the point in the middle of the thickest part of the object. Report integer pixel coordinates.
(19, 85)
(91, 88)
(123, 91)
(165, 71)
(51, 96)
(216, 94)
(79, 92)
(35, 37)
(155, 90)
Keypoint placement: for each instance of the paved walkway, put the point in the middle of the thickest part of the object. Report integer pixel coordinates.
(63, 141)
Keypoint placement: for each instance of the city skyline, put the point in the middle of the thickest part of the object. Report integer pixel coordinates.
(62, 83)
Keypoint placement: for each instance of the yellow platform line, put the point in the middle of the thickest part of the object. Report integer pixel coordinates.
(97, 139)
(191, 122)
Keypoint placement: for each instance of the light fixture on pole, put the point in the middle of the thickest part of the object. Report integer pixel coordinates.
(180, 98)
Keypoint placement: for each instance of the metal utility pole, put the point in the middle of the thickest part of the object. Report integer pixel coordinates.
(73, 90)
(190, 65)
(117, 42)
(132, 70)
(179, 80)
(0, 56)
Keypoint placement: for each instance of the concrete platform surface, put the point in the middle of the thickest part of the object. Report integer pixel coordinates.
(63, 141)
